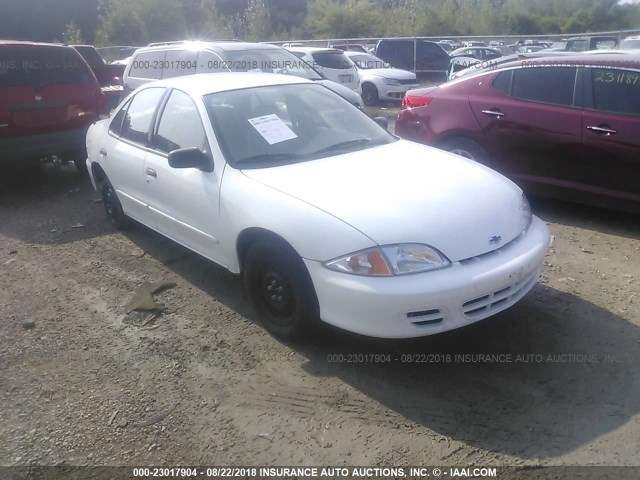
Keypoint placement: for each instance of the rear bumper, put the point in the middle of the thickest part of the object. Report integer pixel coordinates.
(34, 147)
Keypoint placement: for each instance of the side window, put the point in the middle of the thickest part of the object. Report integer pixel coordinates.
(137, 122)
(210, 63)
(616, 91)
(502, 82)
(178, 63)
(147, 65)
(180, 125)
(545, 85)
(116, 124)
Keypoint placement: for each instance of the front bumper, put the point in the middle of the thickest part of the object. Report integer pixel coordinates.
(394, 92)
(432, 302)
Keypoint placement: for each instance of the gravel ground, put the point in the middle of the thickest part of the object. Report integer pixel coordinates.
(551, 381)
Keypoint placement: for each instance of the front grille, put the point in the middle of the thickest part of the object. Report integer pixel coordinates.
(499, 300)
(425, 317)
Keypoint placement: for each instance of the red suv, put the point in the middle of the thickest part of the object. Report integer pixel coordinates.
(48, 99)
(565, 126)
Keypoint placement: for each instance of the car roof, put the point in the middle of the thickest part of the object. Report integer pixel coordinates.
(206, 83)
(31, 44)
(607, 58)
(316, 50)
(227, 45)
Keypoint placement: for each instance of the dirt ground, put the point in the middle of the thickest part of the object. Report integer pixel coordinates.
(551, 381)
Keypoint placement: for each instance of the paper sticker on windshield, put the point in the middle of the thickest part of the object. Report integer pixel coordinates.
(272, 129)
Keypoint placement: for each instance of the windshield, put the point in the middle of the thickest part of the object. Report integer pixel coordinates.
(629, 44)
(276, 60)
(274, 125)
(367, 61)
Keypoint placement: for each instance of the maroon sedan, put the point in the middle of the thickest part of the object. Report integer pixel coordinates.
(566, 127)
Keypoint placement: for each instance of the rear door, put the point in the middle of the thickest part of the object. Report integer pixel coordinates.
(45, 89)
(611, 133)
(124, 153)
(531, 123)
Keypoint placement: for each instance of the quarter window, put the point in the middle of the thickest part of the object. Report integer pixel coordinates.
(116, 124)
(545, 85)
(502, 82)
(137, 121)
(616, 91)
(180, 125)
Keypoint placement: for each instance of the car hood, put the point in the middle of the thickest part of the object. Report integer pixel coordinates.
(391, 73)
(344, 92)
(407, 192)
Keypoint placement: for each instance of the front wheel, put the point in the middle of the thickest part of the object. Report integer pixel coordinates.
(113, 207)
(280, 289)
(369, 94)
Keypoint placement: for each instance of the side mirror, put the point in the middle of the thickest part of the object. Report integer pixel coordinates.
(190, 158)
(382, 121)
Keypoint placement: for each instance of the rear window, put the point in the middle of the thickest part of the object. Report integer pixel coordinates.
(335, 60)
(616, 91)
(39, 66)
(90, 54)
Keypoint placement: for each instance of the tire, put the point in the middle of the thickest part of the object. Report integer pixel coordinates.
(370, 94)
(468, 149)
(281, 290)
(113, 207)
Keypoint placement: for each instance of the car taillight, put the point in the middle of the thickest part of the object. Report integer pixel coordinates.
(412, 101)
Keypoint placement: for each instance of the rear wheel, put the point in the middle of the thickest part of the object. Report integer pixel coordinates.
(280, 289)
(468, 149)
(370, 94)
(113, 208)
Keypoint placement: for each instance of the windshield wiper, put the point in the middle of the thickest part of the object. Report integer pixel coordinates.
(269, 157)
(343, 145)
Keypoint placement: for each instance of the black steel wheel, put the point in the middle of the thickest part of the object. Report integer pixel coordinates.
(280, 289)
(113, 208)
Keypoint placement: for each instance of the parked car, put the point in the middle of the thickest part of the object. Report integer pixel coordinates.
(325, 214)
(419, 56)
(48, 98)
(175, 59)
(480, 53)
(109, 76)
(448, 45)
(332, 63)
(630, 43)
(596, 42)
(565, 126)
(379, 81)
(352, 47)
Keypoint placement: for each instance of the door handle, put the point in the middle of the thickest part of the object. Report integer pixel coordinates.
(151, 172)
(602, 130)
(495, 113)
(103, 152)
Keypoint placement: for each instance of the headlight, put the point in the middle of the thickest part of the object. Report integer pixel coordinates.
(525, 214)
(390, 260)
(389, 81)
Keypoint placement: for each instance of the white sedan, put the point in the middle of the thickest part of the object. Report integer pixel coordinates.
(327, 215)
(379, 81)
